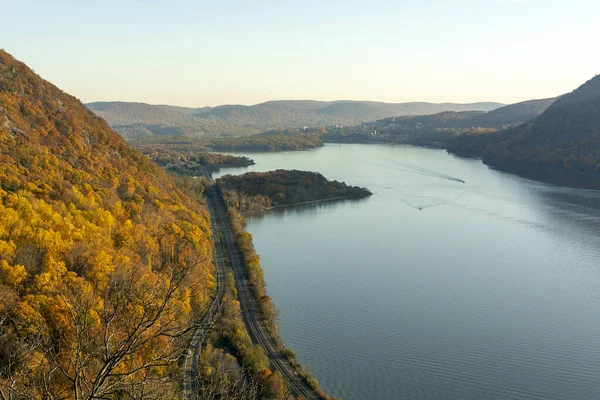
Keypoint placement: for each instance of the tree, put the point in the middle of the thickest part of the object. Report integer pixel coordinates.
(269, 313)
(114, 342)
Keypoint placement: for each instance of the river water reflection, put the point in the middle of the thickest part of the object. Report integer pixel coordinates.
(433, 288)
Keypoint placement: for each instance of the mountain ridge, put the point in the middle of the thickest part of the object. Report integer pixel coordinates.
(566, 136)
(430, 129)
(134, 120)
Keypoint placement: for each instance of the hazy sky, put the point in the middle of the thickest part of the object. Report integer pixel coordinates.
(197, 53)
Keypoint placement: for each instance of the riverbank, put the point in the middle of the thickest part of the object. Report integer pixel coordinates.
(257, 309)
(387, 302)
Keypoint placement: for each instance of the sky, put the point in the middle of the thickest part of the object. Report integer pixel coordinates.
(200, 53)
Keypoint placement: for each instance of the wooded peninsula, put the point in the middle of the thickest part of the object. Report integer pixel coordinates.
(257, 191)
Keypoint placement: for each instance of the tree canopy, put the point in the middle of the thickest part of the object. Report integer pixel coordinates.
(104, 263)
(258, 190)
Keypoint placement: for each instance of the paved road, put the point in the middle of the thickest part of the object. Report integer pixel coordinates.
(190, 371)
(249, 305)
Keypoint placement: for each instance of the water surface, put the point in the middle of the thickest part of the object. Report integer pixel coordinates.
(435, 289)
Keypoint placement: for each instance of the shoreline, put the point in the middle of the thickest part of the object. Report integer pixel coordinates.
(306, 202)
(298, 380)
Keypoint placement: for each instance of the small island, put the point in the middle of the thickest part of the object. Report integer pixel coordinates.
(259, 191)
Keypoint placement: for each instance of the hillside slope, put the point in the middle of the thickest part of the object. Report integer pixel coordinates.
(103, 261)
(134, 120)
(439, 128)
(509, 115)
(566, 137)
(513, 114)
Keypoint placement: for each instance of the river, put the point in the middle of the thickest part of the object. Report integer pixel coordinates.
(433, 288)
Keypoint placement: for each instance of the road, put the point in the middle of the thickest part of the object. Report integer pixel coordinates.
(249, 305)
(190, 371)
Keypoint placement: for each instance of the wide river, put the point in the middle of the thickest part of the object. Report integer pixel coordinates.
(433, 288)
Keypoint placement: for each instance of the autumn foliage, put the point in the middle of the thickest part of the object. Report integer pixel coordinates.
(104, 263)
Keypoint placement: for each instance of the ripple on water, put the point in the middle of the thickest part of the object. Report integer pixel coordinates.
(494, 295)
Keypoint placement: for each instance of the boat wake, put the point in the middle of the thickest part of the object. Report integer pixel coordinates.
(417, 170)
(428, 172)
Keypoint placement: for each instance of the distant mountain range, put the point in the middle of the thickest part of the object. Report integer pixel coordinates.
(452, 122)
(135, 120)
(548, 135)
(438, 128)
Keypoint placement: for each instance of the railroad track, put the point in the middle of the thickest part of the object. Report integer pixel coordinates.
(192, 357)
(249, 306)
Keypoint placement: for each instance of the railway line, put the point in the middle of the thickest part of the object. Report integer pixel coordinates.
(249, 305)
(192, 357)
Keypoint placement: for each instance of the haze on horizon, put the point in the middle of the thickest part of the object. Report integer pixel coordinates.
(208, 53)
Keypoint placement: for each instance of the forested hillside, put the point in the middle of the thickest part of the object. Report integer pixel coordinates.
(104, 263)
(135, 120)
(565, 137)
(513, 114)
(438, 128)
(275, 142)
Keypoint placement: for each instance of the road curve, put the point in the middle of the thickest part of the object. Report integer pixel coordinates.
(190, 370)
(249, 306)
